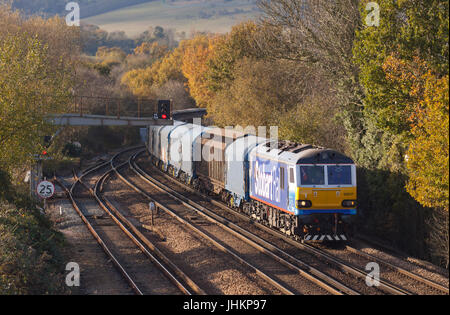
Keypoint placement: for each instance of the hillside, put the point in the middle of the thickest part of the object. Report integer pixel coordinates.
(135, 16)
(88, 7)
(183, 16)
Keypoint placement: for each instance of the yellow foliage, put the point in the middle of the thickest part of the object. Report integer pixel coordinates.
(170, 67)
(428, 155)
(424, 103)
(140, 81)
(186, 64)
(154, 50)
(407, 77)
(37, 57)
(197, 53)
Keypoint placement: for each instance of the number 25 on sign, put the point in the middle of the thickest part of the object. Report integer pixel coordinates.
(45, 189)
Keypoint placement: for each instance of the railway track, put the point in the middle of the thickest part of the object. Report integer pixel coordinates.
(387, 286)
(99, 239)
(293, 264)
(208, 237)
(408, 274)
(141, 275)
(350, 260)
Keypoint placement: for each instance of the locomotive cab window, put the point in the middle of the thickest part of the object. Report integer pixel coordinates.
(339, 175)
(312, 175)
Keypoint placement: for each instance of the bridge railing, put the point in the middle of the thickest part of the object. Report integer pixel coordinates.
(113, 106)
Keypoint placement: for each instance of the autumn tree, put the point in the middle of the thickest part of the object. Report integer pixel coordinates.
(424, 106)
(197, 53)
(163, 78)
(228, 50)
(394, 58)
(170, 66)
(140, 81)
(428, 165)
(151, 49)
(36, 73)
(397, 60)
(160, 71)
(428, 153)
(408, 29)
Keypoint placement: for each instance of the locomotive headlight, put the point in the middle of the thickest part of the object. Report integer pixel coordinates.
(349, 203)
(304, 204)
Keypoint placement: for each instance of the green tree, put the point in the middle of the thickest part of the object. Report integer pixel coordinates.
(30, 89)
(37, 60)
(395, 61)
(227, 51)
(408, 29)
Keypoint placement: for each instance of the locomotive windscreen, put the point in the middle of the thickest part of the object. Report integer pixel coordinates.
(312, 175)
(339, 175)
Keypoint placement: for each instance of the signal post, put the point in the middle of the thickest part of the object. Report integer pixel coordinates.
(36, 174)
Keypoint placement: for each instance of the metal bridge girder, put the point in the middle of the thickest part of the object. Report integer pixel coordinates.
(99, 120)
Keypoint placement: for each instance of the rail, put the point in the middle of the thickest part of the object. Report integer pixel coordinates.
(139, 239)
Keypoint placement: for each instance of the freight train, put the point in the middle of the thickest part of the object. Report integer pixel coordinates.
(305, 191)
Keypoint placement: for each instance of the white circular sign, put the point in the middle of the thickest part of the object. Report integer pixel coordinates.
(45, 189)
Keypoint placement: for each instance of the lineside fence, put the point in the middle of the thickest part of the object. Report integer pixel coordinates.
(112, 106)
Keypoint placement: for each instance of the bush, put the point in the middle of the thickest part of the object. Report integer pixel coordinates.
(30, 250)
(30, 257)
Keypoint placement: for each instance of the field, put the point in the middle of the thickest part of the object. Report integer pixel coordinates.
(217, 16)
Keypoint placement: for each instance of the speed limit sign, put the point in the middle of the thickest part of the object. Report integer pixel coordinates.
(45, 189)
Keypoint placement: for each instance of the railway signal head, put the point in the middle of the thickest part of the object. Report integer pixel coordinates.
(164, 109)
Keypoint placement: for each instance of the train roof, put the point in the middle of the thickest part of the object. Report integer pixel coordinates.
(295, 153)
(223, 133)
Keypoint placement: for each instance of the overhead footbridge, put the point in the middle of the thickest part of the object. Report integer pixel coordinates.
(101, 111)
(102, 120)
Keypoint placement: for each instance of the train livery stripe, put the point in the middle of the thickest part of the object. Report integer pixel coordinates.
(326, 211)
(269, 204)
(306, 212)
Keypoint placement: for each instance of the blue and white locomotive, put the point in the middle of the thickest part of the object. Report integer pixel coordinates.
(302, 190)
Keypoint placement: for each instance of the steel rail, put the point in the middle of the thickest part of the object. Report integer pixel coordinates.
(401, 270)
(383, 284)
(248, 237)
(155, 261)
(105, 204)
(101, 165)
(94, 233)
(215, 242)
(149, 244)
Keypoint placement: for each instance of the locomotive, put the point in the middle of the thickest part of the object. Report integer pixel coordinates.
(305, 191)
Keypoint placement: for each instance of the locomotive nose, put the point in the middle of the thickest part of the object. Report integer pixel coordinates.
(327, 198)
